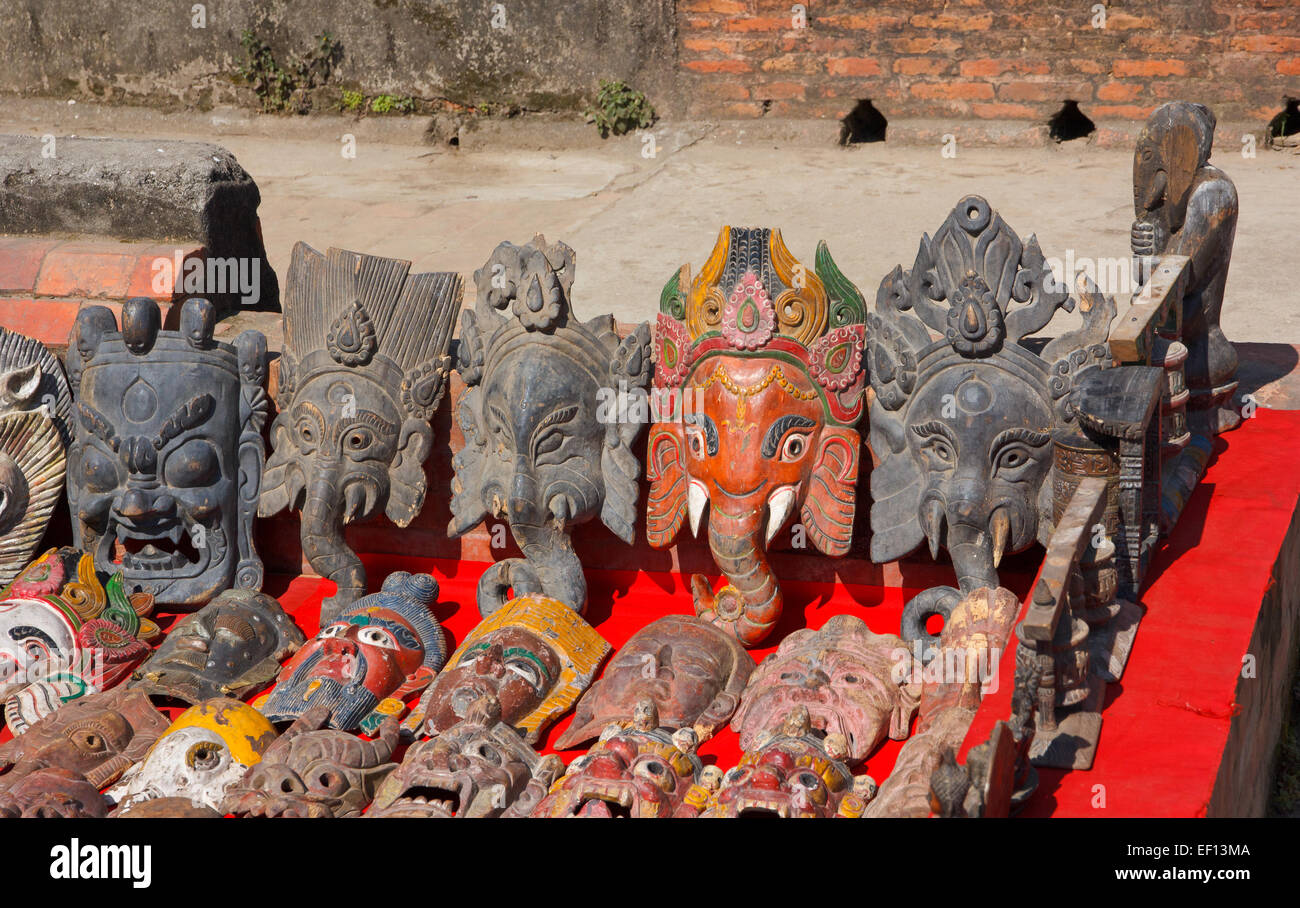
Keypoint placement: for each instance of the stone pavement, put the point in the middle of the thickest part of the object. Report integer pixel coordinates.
(633, 219)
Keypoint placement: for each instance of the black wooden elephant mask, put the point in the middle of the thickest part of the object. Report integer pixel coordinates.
(364, 367)
(962, 425)
(166, 462)
(546, 445)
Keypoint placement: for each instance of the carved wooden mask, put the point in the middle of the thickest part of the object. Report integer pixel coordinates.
(962, 425)
(167, 457)
(547, 445)
(758, 385)
(35, 408)
(363, 370)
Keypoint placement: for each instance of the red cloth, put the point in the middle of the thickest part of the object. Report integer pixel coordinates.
(1165, 725)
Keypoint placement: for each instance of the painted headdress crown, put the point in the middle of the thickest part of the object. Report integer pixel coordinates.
(523, 297)
(753, 297)
(352, 310)
(411, 596)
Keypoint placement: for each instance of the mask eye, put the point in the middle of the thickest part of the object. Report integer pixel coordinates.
(328, 779)
(1012, 460)
(332, 630)
(695, 438)
(204, 756)
(307, 432)
(358, 440)
(795, 447)
(525, 670)
(940, 453)
(377, 636)
(488, 752)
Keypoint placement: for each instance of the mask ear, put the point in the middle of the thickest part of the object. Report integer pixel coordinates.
(832, 491)
(895, 491)
(620, 470)
(467, 507)
(406, 476)
(666, 503)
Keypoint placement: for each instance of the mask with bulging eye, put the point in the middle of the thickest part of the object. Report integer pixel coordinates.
(789, 776)
(99, 736)
(230, 647)
(636, 772)
(851, 683)
(205, 751)
(478, 768)
(551, 409)
(52, 793)
(362, 665)
(166, 463)
(313, 771)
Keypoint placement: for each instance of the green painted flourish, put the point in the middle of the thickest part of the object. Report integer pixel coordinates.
(672, 301)
(848, 307)
(119, 609)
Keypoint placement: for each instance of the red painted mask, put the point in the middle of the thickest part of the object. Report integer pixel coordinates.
(758, 384)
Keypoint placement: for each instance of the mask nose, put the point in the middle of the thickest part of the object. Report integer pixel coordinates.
(492, 662)
(138, 503)
(815, 679)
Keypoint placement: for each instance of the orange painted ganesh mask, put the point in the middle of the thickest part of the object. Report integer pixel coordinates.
(758, 385)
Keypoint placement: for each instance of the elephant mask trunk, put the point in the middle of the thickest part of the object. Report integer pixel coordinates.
(322, 543)
(750, 604)
(550, 567)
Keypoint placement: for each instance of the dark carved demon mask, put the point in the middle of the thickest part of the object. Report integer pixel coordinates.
(367, 660)
(165, 468)
(962, 424)
(546, 445)
(758, 385)
(230, 647)
(364, 367)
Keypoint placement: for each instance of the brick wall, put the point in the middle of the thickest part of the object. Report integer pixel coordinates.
(990, 59)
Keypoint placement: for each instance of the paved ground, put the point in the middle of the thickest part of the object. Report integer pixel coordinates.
(634, 219)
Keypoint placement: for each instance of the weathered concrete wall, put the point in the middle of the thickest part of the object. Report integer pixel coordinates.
(540, 54)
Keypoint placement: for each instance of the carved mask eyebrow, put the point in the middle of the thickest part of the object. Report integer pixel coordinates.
(777, 430)
(1030, 437)
(190, 415)
(559, 416)
(97, 424)
(932, 428)
(705, 423)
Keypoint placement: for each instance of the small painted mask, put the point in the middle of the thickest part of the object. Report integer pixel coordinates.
(691, 670)
(65, 633)
(790, 776)
(363, 370)
(758, 385)
(535, 656)
(638, 771)
(362, 665)
(313, 771)
(205, 751)
(477, 768)
(229, 648)
(99, 736)
(549, 416)
(853, 683)
(52, 793)
(166, 463)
